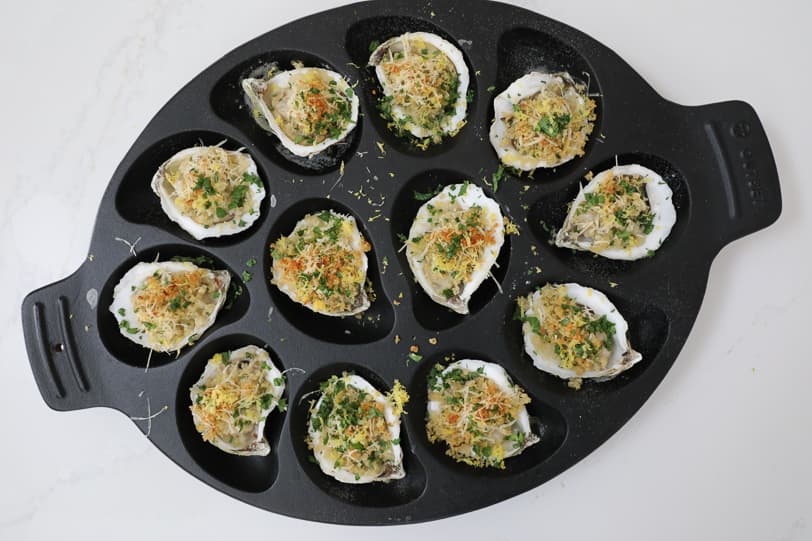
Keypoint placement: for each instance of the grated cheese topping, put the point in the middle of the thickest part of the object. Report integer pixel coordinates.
(477, 418)
(322, 263)
(353, 431)
(570, 331)
(454, 248)
(170, 305)
(212, 185)
(552, 124)
(617, 214)
(235, 399)
(311, 107)
(422, 84)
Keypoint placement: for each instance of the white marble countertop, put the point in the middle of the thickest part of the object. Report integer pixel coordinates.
(722, 449)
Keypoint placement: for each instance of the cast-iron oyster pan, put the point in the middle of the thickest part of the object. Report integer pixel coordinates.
(715, 158)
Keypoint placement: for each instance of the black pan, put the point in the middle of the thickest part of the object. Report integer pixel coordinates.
(716, 158)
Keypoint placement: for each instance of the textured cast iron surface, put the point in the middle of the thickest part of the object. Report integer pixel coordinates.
(716, 159)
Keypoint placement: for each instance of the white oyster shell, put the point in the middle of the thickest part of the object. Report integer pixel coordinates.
(393, 422)
(500, 377)
(356, 242)
(622, 357)
(660, 201)
(122, 307)
(525, 87)
(449, 199)
(280, 83)
(232, 223)
(244, 358)
(401, 43)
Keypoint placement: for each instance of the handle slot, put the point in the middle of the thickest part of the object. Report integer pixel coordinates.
(46, 359)
(69, 344)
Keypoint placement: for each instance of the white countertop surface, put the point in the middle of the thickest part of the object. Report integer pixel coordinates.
(721, 450)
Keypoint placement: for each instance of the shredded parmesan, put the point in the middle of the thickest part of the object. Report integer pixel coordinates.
(169, 306)
(617, 214)
(477, 419)
(321, 262)
(553, 123)
(422, 84)
(454, 249)
(568, 330)
(235, 399)
(353, 427)
(211, 186)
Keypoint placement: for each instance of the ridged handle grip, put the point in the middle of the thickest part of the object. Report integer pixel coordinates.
(743, 162)
(54, 320)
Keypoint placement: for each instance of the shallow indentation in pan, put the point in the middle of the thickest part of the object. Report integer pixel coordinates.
(393, 493)
(545, 421)
(371, 325)
(523, 50)
(648, 332)
(427, 312)
(134, 354)
(137, 203)
(229, 103)
(366, 32)
(247, 473)
(548, 213)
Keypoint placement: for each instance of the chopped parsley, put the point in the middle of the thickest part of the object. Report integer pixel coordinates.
(582, 340)
(425, 196)
(204, 183)
(415, 357)
(553, 125)
(348, 418)
(476, 418)
(496, 178)
(124, 324)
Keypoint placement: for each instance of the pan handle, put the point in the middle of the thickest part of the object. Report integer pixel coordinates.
(741, 158)
(59, 328)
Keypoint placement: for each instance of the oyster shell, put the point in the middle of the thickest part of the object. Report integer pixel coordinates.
(308, 109)
(322, 264)
(165, 306)
(625, 212)
(425, 84)
(454, 241)
(372, 453)
(541, 120)
(572, 331)
(459, 391)
(210, 191)
(233, 398)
